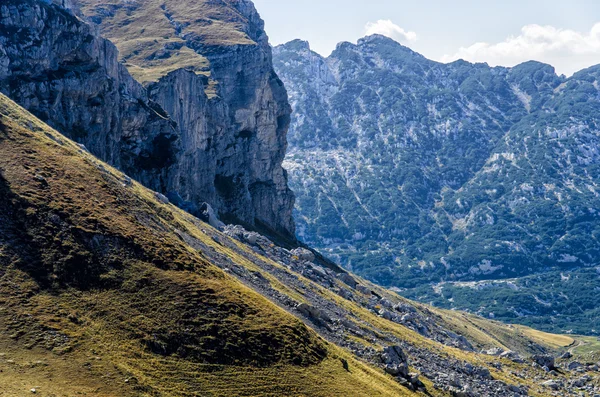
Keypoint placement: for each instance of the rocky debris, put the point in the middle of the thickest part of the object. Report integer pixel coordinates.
(303, 254)
(335, 323)
(208, 215)
(395, 361)
(581, 382)
(252, 238)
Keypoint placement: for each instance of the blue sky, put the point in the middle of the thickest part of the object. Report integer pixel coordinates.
(563, 33)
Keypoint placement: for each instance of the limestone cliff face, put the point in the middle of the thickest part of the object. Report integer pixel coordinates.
(52, 64)
(226, 149)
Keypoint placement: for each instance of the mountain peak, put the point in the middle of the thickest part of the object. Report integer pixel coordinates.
(381, 40)
(295, 45)
(376, 38)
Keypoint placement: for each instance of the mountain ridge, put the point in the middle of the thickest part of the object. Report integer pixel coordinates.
(392, 157)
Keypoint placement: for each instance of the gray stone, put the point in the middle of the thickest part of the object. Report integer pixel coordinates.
(544, 360)
(363, 289)
(303, 254)
(574, 365)
(313, 312)
(513, 356)
(161, 197)
(169, 136)
(552, 384)
(395, 360)
(496, 351)
(347, 279)
(566, 355)
(207, 214)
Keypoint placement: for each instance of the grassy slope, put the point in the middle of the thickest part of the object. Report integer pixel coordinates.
(98, 297)
(142, 31)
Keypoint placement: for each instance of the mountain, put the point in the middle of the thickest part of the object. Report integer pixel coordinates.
(215, 132)
(442, 179)
(109, 289)
(106, 290)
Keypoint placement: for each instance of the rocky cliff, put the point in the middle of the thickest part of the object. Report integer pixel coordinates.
(208, 129)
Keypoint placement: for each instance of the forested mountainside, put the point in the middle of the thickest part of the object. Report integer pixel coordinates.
(437, 178)
(107, 290)
(208, 125)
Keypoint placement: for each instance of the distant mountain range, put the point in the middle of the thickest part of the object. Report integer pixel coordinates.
(440, 179)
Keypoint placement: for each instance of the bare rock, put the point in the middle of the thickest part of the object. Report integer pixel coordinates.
(396, 361)
(303, 254)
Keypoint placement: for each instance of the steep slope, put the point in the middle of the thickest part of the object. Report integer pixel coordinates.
(106, 290)
(192, 133)
(93, 271)
(412, 172)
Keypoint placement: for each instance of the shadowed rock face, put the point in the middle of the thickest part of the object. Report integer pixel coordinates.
(226, 149)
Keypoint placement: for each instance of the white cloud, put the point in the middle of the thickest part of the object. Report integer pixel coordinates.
(388, 28)
(567, 50)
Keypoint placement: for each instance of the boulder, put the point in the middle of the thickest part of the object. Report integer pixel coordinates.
(544, 360)
(574, 365)
(408, 317)
(496, 351)
(251, 237)
(363, 289)
(551, 384)
(303, 254)
(566, 355)
(313, 312)
(345, 294)
(208, 215)
(386, 303)
(513, 356)
(395, 360)
(348, 280)
(162, 198)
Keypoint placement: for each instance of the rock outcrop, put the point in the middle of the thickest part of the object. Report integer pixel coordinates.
(219, 139)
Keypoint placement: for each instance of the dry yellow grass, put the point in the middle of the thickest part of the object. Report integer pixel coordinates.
(544, 338)
(149, 33)
(96, 332)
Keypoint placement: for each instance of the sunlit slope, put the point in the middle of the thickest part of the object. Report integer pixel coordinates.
(155, 37)
(99, 296)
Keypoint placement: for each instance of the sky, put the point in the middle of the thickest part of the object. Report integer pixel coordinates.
(563, 33)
